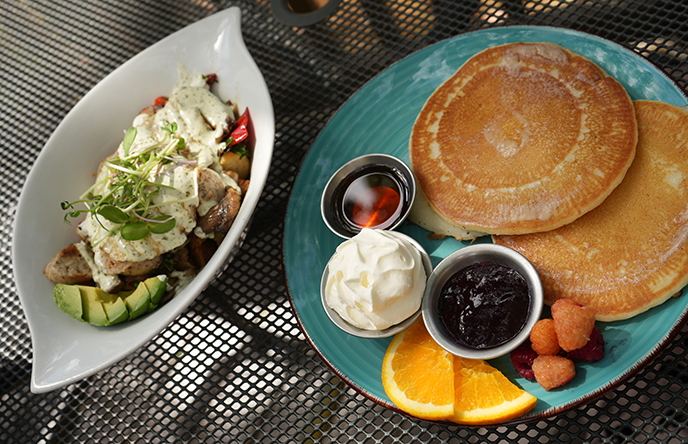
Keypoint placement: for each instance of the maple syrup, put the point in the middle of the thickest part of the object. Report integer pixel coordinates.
(373, 196)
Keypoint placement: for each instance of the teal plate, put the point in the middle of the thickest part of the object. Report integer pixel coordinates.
(378, 118)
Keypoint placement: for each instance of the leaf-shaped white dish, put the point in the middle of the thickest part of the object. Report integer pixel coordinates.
(64, 350)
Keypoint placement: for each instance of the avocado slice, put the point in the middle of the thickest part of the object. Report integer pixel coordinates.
(115, 308)
(116, 311)
(93, 311)
(138, 301)
(156, 287)
(97, 307)
(68, 299)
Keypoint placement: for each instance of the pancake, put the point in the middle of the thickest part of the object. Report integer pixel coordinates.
(523, 138)
(630, 253)
(423, 214)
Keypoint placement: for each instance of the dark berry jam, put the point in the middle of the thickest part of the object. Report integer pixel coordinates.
(484, 305)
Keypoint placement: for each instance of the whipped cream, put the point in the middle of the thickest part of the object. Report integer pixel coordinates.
(375, 279)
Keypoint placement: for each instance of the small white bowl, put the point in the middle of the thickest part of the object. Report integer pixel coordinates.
(460, 259)
(390, 331)
(331, 203)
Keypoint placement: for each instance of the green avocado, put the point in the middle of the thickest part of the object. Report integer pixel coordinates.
(115, 308)
(97, 307)
(156, 287)
(117, 311)
(92, 306)
(138, 301)
(68, 299)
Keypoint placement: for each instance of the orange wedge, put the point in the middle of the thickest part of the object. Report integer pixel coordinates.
(424, 380)
(483, 395)
(418, 375)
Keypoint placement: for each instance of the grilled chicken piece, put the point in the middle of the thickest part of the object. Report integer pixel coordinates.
(129, 268)
(243, 184)
(220, 217)
(151, 109)
(68, 267)
(210, 186)
(227, 130)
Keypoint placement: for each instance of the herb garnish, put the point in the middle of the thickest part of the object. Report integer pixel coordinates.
(240, 149)
(127, 191)
(239, 134)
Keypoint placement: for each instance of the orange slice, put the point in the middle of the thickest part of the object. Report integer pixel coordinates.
(418, 375)
(483, 395)
(426, 381)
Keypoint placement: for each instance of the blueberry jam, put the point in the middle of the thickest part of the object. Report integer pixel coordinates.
(484, 305)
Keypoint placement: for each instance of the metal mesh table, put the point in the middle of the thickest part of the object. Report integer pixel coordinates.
(235, 367)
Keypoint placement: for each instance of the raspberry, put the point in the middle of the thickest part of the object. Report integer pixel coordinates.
(522, 358)
(543, 338)
(573, 324)
(592, 351)
(553, 371)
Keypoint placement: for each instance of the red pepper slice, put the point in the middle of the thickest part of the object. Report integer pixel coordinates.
(210, 79)
(240, 129)
(160, 101)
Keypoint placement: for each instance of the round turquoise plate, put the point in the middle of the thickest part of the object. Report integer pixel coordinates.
(378, 119)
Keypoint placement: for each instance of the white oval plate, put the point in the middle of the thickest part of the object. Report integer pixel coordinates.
(64, 350)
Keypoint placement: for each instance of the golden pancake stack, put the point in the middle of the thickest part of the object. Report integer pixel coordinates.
(538, 147)
(630, 253)
(524, 138)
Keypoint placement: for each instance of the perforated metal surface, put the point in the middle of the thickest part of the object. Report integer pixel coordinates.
(235, 367)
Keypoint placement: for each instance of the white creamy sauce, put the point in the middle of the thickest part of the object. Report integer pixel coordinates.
(183, 279)
(205, 207)
(201, 119)
(180, 202)
(106, 281)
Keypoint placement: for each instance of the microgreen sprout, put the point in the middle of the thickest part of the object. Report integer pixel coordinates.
(125, 194)
(129, 137)
(170, 127)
